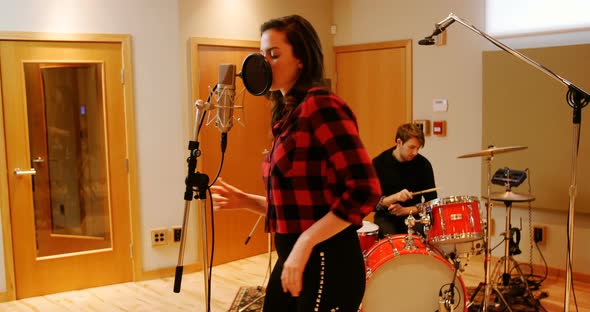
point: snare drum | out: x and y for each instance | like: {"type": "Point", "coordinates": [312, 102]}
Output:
{"type": "Point", "coordinates": [368, 235]}
{"type": "Point", "coordinates": [454, 219]}
{"type": "Point", "coordinates": [411, 279]}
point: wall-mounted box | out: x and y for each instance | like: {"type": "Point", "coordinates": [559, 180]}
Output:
{"type": "Point", "coordinates": [439, 127]}
{"type": "Point", "coordinates": [424, 125]}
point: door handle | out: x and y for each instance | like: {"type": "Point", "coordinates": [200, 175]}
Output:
{"type": "Point", "coordinates": [19, 172]}
{"type": "Point", "coordinates": [38, 160]}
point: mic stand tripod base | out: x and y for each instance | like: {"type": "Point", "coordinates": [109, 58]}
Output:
{"type": "Point", "coordinates": [506, 278]}
{"type": "Point", "coordinates": [494, 289]}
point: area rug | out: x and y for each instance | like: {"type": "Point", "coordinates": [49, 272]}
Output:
{"type": "Point", "coordinates": [252, 297]}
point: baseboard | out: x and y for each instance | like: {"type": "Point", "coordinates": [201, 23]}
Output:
{"type": "Point", "coordinates": [6, 296]}
{"type": "Point", "coordinates": [556, 273]}
{"type": "Point", "coordinates": [167, 272]}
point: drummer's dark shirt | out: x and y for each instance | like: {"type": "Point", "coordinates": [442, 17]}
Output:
{"type": "Point", "coordinates": [414, 175]}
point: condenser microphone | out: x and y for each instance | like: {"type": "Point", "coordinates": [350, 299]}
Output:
{"type": "Point", "coordinates": [226, 91]}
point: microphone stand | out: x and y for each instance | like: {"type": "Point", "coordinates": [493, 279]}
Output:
{"type": "Point", "coordinates": [576, 99]}
{"type": "Point", "coordinates": [447, 297]}
{"type": "Point", "coordinates": [198, 182]}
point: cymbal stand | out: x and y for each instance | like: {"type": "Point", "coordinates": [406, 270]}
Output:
{"type": "Point", "coordinates": [507, 254]}
{"type": "Point", "coordinates": [507, 259]}
{"type": "Point", "coordinates": [488, 245]}
{"type": "Point", "coordinates": [487, 285]}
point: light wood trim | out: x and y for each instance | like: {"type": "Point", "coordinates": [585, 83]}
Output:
{"type": "Point", "coordinates": [373, 46]}
{"type": "Point", "coordinates": [195, 42]}
{"type": "Point", "coordinates": [10, 293]}
{"type": "Point", "coordinates": [410, 79]}
{"type": "Point", "coordinates": [129, 100]}
{"type": "Point", "coordinates": [134, 204]}
{"type": "Point", "coordinates": [45, 36]}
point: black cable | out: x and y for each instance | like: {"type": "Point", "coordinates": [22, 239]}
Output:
{"type": "Point", "coordinates": [212, 246]}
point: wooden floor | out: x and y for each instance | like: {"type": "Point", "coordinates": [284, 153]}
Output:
{"type": "Point", "coordinates": [157, 295]}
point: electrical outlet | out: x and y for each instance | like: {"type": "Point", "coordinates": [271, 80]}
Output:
{"type": "Point", "coordinates": [159, 237]}
{"type": "Point", "coordinates": [176, 234]}
{"type": "Point", "coordinates": [539, 234]}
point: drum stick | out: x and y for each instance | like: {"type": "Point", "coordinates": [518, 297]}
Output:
{"type": "Point", "coordinates": [425, 191]}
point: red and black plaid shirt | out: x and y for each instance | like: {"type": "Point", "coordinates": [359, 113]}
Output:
{"type": "Point", "coordinates": [318, 164]}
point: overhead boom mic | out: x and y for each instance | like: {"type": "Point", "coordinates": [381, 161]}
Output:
{"type": "Point", "coordinates": [438, 29]}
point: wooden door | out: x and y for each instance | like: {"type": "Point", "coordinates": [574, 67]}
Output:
{"type": "Point", "coordinates": [376, 81]}
{"type": "Point", "coordinates": [64, 121]}
{"type": "Point", "coordinates": [247, 141]}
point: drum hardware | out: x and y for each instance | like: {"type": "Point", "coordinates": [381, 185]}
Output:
{"type": "Point", "coordinates": [410, 222]}
{"type": "Point", "coordinates": [487, 285]}
{"type": "Point", "coordinates": [508, 197]}
{"type": "Point", "coordinates": [511, 240]}
{"type": "Point", "coordinates": [447, 297]}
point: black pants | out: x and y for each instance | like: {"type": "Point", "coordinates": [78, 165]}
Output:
{"type": "Point", "coordinates": [333, 280]}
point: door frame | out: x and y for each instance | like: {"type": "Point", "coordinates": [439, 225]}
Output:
{"type": "Point", "coordinates": [7, 240]}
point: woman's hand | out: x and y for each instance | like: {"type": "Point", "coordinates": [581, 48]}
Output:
{"type": "Point", "coordinates": [226, 196]}
{"type": "Point", "coordinates": [292, 275]}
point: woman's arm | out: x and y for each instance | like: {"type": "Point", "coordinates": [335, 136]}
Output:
{"type": "Point", "coordinates": [226, 196]}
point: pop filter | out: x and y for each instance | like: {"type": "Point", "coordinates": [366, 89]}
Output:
{"type": "Point", "coordinates": [256, 74]}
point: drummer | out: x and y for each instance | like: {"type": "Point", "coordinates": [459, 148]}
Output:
{"type": "Point", "coordinates": [401, 171]}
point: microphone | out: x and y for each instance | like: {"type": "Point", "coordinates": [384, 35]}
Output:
{"type": "Point", "coordinates": [226, 91]}
{"type": "Point", "coordinates": [427, 41]}
{"type": "Point", "coordinates": [438, 28]}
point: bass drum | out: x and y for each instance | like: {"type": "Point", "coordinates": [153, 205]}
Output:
{"type": "Point", "coordinates": [400, 279]}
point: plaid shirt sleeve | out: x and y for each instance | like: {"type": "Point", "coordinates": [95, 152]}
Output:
{"type": "Point", "coordinates": [318, 164]}
{"type": "Point", "coordinates": [354, 180]}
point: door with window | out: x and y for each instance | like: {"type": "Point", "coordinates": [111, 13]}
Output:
{"type": "Point", "coordinates": [64, 122]}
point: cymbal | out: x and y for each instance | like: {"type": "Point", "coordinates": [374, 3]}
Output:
{"type": "Point", "coordinates": [493, 150]}
{"type": "Point", "coordinates": [511, 196]}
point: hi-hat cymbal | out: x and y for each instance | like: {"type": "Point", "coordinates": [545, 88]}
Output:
{"type": "Point", "coordinates": [510, 196]}
{"type": "Point", "coordinates": [493, 150]}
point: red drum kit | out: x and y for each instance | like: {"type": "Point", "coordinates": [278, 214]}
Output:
{"type": "Point", "coordinates": [415, 273]}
